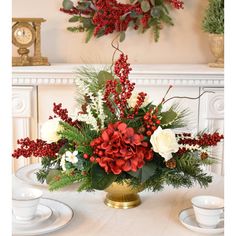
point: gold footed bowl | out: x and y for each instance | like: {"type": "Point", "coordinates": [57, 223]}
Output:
{"type": "Point", "coordinates": [217, 49]}
{"type": "Point", "coordinates": [122, 196]}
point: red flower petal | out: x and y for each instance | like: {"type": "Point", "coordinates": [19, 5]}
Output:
{"type": "Point", "coordinates": [126, 166]}
{"type": "Point", "coordinates": [122, 127]}
{"type": "Point", "coordinates": [120, 162]}
{"type": "Point", "coordinates": [105, 136]}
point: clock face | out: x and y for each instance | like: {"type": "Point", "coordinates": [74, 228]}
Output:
{"type": "Point", "coordinates": [23, 34]}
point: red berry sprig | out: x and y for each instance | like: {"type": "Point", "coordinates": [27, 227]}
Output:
{"type": "Point", "coordinates": [114, 99]}
{"type": "Point", "coordinates": [140, 99]}
{"type": "Point", "coordinates": [203, 140]}
{"type": "Point", "coordinates": [63, 114]}
{"type": "Point", "coordinates": [151, 121]}
{"type": "Point", "coordinates": [176, 4]}
{"type": "Point", "coordinates": [38, 148]}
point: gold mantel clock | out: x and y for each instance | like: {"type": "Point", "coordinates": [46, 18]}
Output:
{"type": "Point", "coordinates": [26, 33]}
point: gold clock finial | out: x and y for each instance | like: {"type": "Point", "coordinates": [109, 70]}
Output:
{"type": "Point", "coordinates": [25, 33]}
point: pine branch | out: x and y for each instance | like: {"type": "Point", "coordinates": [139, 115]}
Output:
{"type": "Point", "coordinates": [62, 181]}
{"type": "Point", "coordinates": [85, 135]}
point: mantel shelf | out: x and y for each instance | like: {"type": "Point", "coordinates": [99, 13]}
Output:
{"type": "Point", "coordinates": [147, 75]}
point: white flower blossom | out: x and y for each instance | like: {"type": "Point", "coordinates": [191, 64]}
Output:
{"type": "Point", "coordinates": [101, 114]}
{"type": "Point", "coordinates": [63, 162]}
{"type": "Point", "coordinates": [71, 156]}
{"type": "Point", "coordinates": [94, 107]}
{"type": "Point", "coordinates": [89, 118]}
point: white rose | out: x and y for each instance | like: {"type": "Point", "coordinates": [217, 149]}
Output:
{"type": "Point", "coordinates": [132, 101]}
{"type": "Point", "coordinates": [50, 129]}
{"type": "Point", "coordinates": [164, 142]}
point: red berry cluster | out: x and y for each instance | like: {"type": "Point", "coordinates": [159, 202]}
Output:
{"type": "Point", "coordinates": [113, 16]}
{"type": "Point", "coordinates": [140, 100]}
{"type": "Point", "coordinates": [176, 4]}
{"type": "Point", "coordinates": [151, 121]}
{"type": "Point", "coordinates": [111, 94]}
{"type": "Point", "coordinates": [63, 114]}
{"type": "Point", "coordinates": [38, 148]}
{"type": "Point", "coordinates": [144, 20]}
{"type": "Point", "coordinates": [203, 140]}
{"type": "Point", "coordinates": [121, 70]}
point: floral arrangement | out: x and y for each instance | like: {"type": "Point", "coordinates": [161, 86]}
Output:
{"type": "Point", "coordinates": [118, 135]}
{"type": "Point", "coordinates": [102, 17]}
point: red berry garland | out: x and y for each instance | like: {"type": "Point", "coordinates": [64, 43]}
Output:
{"type": "Point", "coordinates": [102, 17]}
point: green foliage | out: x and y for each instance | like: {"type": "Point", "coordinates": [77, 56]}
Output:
{"type": "Point", "coordinates": [47, 164]}
{"type": "Point", "coordinates": [175, 117]}
{"type": "Point", "coordinates": [51, 174]}
{"type": "Point", "coordinates": [93, 79]}
{"type": "Point", "coordinates": [145, 6]}
{"type": "Point", "coordinates": [67, 4]}
{"type": "Point", "coordinates": [100, 179]}
{"type": "Point", "coordinates": [187, 172]}
{"type": "Point", "coordinates": [213, 21]}
{"type": "Point", "coordinates": [145, 172]}
{"type": "Point", "coordinates": [62, 181]}
{"type": "Point", "coordinates": [74, 29]}
{"type": "Point", "coordinates": [81, 138]}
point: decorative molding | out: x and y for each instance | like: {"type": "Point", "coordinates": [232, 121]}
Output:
{"type": "Point", "coordinates": [216, 107]}
{"type": "Point", "coordinates": [215, 104]}
{"type": "Point", "coordinates": [143, 75]}
{"type": "Point", "coordinates": [21, 101]}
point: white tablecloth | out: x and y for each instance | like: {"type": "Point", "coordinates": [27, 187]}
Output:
{"type": "Point", "coordinates": [156, 216]}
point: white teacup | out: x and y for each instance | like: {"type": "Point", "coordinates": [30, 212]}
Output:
{"type": "Point", "coordinates": [25, 202]}
{"type": "Point", "coordinates": [208, 210]}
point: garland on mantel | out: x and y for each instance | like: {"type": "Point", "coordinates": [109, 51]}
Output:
{"type": "Point", "coordinates": [103, 17]}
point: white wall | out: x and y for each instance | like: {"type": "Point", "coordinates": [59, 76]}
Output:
{"type": "Point", "coordinates": [183, 43]}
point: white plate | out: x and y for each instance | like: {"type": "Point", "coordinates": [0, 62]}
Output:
{"type": "Point", "coordinates": [62, 215]}
{"type": "Point", "coordinates": [187, 218]}
{"type": "Point", "coordinates": [28, 174]}
{"type": "Point", "coordinates": [42, 214]}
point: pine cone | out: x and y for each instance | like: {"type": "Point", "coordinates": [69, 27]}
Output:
{"type": "Point", "coordinates": [171, 164]}
{"type": "Point", "coordinates": [204, 155]}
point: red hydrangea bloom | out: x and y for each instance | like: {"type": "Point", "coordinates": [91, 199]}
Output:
{"type": "Point", "coordinates": [119, 149]}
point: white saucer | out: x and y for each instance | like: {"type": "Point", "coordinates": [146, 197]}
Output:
{"type": "Point", "coordinates": [28, 174]}
{"type": "Point", "coordinates": [62, 215]}
{"type": "Point", "coordinates": [187, 218]}
{"type": "Point", "coordinates": [42, 214]}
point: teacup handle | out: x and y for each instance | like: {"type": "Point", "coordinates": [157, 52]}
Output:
{"type": "Point", "coordinates": [222, 217]}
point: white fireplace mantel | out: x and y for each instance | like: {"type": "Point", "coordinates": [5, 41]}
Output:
{"type": "Point", "coordinates": [147, 75]}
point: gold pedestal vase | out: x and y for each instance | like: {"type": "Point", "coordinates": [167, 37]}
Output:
{"type": "Point", "coordinates": [122, 196]}
{"type": "Point", "coordinates": [217, 48]}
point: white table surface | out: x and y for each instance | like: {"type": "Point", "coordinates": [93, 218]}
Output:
{"type": "Point", "coordinates": [156, 216]}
